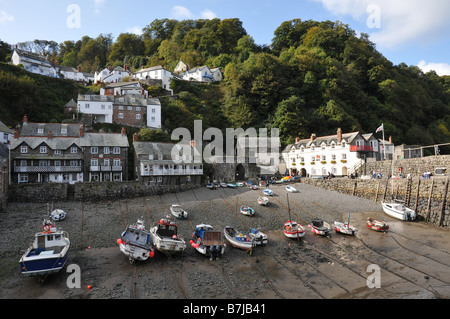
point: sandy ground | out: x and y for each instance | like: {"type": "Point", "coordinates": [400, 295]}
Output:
{"type": "Point", "coordinates": [413, 258]}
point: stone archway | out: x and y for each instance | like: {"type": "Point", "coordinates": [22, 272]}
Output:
{"type": "Point", "coordinates": [303, 172]}
{"type": "Point", "coordinates": [239, 173]}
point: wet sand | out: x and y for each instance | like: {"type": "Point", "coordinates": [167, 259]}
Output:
{"type": "Point", "coordinates": [413, 257]}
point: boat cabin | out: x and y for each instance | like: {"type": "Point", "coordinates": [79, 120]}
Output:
{"type": "Point", "coordinates": [47, 243]}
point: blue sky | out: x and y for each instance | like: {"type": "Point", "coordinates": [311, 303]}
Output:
{"type": "Point", "coordinates": [415, 32]}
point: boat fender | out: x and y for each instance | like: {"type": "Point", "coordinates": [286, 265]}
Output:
{"type": "Point", "coordinates": [119, 241]}
{"type": "Point", "coordinates": [151, 254]}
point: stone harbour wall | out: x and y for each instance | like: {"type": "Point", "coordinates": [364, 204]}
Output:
{"type": "Point", "coordinates": [426, 196]}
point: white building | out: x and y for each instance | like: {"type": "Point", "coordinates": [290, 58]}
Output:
{"type": "Point", "coordinates": [123, 88]}
{"type": "Point", "coordinates": [5, 134]}
{"type": "Point", "coordinates": [340, 154]}
{"type": "Point", "coordinates": [100, 106]}
{"type": "Point", "coordinates": [34, 63]}
{"type": "Point", "coordinates": [110, 74]}
{"type": "Point", "coordinates": [76, 74]}
{"type": "Point", "coordinates": [203, 74]}
{"type": "Point", "coordinates": [156, 73]}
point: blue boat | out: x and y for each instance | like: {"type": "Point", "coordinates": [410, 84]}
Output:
{"type": "Point", "coordinates": [208, 242]}
{"type": "Point", "coordinates": [268, 192]}
{"type": "Point", "coordinates": [47, 254]}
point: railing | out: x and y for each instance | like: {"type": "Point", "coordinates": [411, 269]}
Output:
{"type": "Point", "coordinates": [357, 148]}
{"type": "Point", "coordinates": [46, 169]}
{"type": "Point", "coordinates": [166, 172]}
{"type": "Point", "coordinates": [114, 168]}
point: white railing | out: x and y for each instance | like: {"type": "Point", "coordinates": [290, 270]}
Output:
{"type": "Point", "coordinates": [46, 169]}
{"type": "Point", "coordinates": [166, 172]}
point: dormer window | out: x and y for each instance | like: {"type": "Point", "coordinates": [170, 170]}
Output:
{"type": "Point", "coordinates": [343, 143]}
{"type": "Point", "coordinates": [333, 145]}
{"type": "Point", "coordinates": [313, 148]}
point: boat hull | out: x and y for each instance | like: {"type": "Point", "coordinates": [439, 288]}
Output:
{"type": "Point", "coordinates": [377, 225]}
{"type": "Point", "coordinates": [244, 245]}
{"type": "Point", "coordinates": [135, 252]}
{"type": "Point", "coordinates": [167, 245]}
{"type": "Point", "coordinates": [38, 266]}
{"type": "Point", "coordinates": [294, 230]}
{"type": "Point", "coordinates": [398, 211]}
{"type": "Point", "coordinates": [344, 229]}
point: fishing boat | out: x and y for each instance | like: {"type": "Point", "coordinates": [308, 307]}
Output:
{"type": "Point", "coordinates": [135, 242]}
{"type": "Point", "coordinates": [178, 211]}
{"type": "Point", "coordinates": [210, 186]}
{"type": "Point", "coordinates": [240, 184]}
{"type": "Point", "coordinates": [238, 239]}
{"type": "Point", "coordinates": [291, 189]}
{"type": "Point", "coordinates": [254, 187]}
{"type": "Point", "coordinates": [398, 210]}
{"type": "Point", "coordinates": [292, 229]}
{"type": "Point", "coordinates": [48, 253]}
{"type": "Point", "coordinates": [320, 227]}
{"type": "Point", "coordinates": [267, 192]}
{"type": "Point", "coordinates": [208, 242]}
{"type": "Point", "coordinates": [247, 210]}
{"type": "Point", "coordinates": [262, 200]}
{"type": "Point", "coordinates": [231, 185]}
{"type": "Point", "coordinates": [376, 225]}
{"type": "Point", "coordinates": [258, 236]}
{"type": "Point", "coordinates": [165, 237]}
{"type": "Point", "coordinates": [345, 228]}
{"type": "Point", "coordinates": [223, 184]}
{"type": "Point", "coordinates": [57, 214]}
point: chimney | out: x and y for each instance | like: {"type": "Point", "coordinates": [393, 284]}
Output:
{"type": "Point", "coordinates": [339, 135]}
{"type": "Point", "coordinates": [81, 130]}
{"type": "Point", "coordinates": [25, 119]}
{"type": "Point", "coordinates": [313, 137]}
{"type": "Point", "coordinates": [297, 139]}
{"type": "Point", "coordinates": [125, 67]}
{"type": "Point", "coordinates": [135, 137]}
{"type": "Point", "coordinates": [124, 132]}
{"type": "Point", "coordinates": [49, 135]}
{"type": "Point", "coordinates": [102, 85]}
{"type": "Point", "coordinates": [16, 134]}
{"type": "Point", "coordinates": [79, 68]}
{"type": "Point", "coordinates": [390, 139]}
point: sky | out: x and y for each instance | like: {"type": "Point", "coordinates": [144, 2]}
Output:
{"type": "Point", "coordinates": [415, 32]}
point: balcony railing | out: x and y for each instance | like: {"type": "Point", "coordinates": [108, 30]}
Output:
{"type": "Point", "coordinates": [114, 168]}
{"type": "Point", "coordinates": [357, 148]}
{"type": "Point", "coordinates": [46, 169]}
{"type": "Point", "coordinates": [174, 172]}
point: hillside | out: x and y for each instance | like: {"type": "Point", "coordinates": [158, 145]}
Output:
{"type": "Point", "coordinates": [314, 77]}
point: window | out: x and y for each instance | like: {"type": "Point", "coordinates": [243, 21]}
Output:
{"type": "Point", "coordinates": [106, 150]}
{"type": "Point", "coordinates": [43, 149]}
{"type": "Point", "coordinates": [333, 145]}
{"type": "Point", "coordinates": [120, 116]}
{"type": "Point", "coordinates": [23, 163]}
{"type": "Point", "coordinates": [57, 163]}
{"type": "Point", "coordinates": [130, 108]}
{"type": "Point", "coordinates": [159, 179]}
{"type": "Point", "coordinates": [138, 116]}
{"type": "Point", "coordinates": [73, 163]}
{"type": "Point", "coordinates": [23, 178]}
{"type": "Point", "coordinates": [24, 149]}
{"type": "Point", "coordinates": [64, 130]}
{"type": "Point", "coordinates": [153, 119]}
{"type": "Point", "coordinates": [117, 177]}
{"type": "Point", "coordinates": [344, 156]}
{"type": "Point", "coordinates": [73, 150]}
{"type": "Point", "coordinates": [94, 162]}
{"type": "Point", "coordinates": [40, 130]}
{"type": "Point", "coordinates": [333, 157]}
{"type": "Point", "coordinates": [150, 157]}
{"type": "Point", "coordinates": [343, 143]}
{"type": "Point", "coordinates": [86, 105]}
{"type": "Point", "coordinates": [106, 162]}
{"type": "Point", "coordinates": [102, 106]}
{"type": "Point", "coordinates": [120, 107]}
{"type": "Point", "coordinates": [43, 163]}
{"type": "Point", "coordinates": [153, 111]}
{"type": "Point", "coordinates": [94, 150]}
{"type": "Point", "coordinates": [138, 108]}
{"type": "Point", "coordinates": [116, 150]}
{"type": "Point", "coordinates": [313, 148]}
{"type": "Point", "coordinates": [116, 162]}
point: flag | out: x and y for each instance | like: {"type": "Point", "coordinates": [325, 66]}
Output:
{"type": "Point", "coordinates": [381, 128]}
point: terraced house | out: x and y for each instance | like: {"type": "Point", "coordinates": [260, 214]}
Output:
{"type": "Point", "coordinates": [64, 153]}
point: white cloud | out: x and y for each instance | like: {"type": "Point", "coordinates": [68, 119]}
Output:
{"type": "Point", "coordinates": [5, 18]}
{"type": "Point", "coordinates": [136, 30]}
{"type": "Point", "coordinates": [440, 68]}
{"type": "Point", "coordinates": [208, 14]}
{"type": "Point", "coordinates": [98, 4]}
{"type": "Point", "coordinates": [402, 21]}
{"type": "Point", "coordinates": [180, 12]}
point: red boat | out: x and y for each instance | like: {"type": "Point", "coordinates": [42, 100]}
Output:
{"type": "Point", "coordinates": [377, 225]}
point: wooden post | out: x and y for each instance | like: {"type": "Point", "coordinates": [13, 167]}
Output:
{"type": "Point", "coordinates": [429, 201]}
{"type": "Point", "coordinates": [354, 189]}
{"type": "Point", "coordinates": [385, 190]}
{"type": "Point", "coordinates": [417, 195]}
{"type": "Point", "coordinates": [396, 191]}
{"type": "Point", "coordinates": [442, 213]}
{"type": "Point", "coordinates": [378, 188]}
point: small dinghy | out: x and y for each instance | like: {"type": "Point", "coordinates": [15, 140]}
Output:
{"type": "Point", "coordinates": [264, 201]}
{"type": "Point", "coordinates": [345, 228]}
{"type": "Point", "coordinates": [223, 184]}
{"type": "Point", "coordinates": [399, 211]}
{"type": "Point", "coordinates": [267, 192]}
{"type": "Point", "coordinates": [247, 210]}
{"type": "Point", "coordinates": [135, 242]}
{"type": "Point", "coordinates": [210, 186]}
{"type": "Point", "coordinates": [292, 229]}
{"type": "Point", "coordinates": [291, 189]}
{"type": "Point", "coordinates": [238, 239]}
{"type": "Point", "coordinates": [208, 242]}
{"type": "Point", "coordinates": [376, 225]}
{"type": "Point", "coordinates": [165, 237]}
{"type": "Point", "coordinates": [231, 185]}
{"type": "Point", "coordinates": [58, 215]}
{"type": "Point", "coordinates": [320, 227]}
{"type": "Point", "coordinates": [254, 187]}
{"type": "Point", "coordinates": [178, 211]}
{"type": "Point", "coordinates": [258, 237]}
{"type": "Point", "coordinates": [48, 253]}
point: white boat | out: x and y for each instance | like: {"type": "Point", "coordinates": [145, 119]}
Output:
{"type": "Point", "coordinates": [263, 201]}
{"type": "Point", "coordinates": [238, 239]}
{"type": "Point", "coordinates": [267, 192]}
{"type": "Point", "coordinates": [178, 211]}
{"type": "Point", "coordinates": [231, 185]}
{"type": "Point", "coordinates": [320, 227]}
{"type": "Point", "coordinates": [135, 242]}
{"type": "Point", "coordinates": [399, 211]}
{"type": "Point", "coordinates": [208, 242]}
{"type": "Point", "coordinates": [247, 210]}
{"type": "Point", "coordinates": [165, 237]}
{"type": "Point", "coordinates": [345, 228]}
{"type": "Point", "coordinates": [223, 184]}
{"type": "Point", "coordinates": [291, 189]}
{"type": "Point", "coordinates": [258, 236]}
{"type": "Point", "coordinates": [48, 253]}
{"type": "Point", "coordinates": [58, 214]}
{"type": "Point", "coordinates": [292, 229]}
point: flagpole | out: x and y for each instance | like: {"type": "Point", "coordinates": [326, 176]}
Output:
{"type": "Point", "coordinates": [384, 146]}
